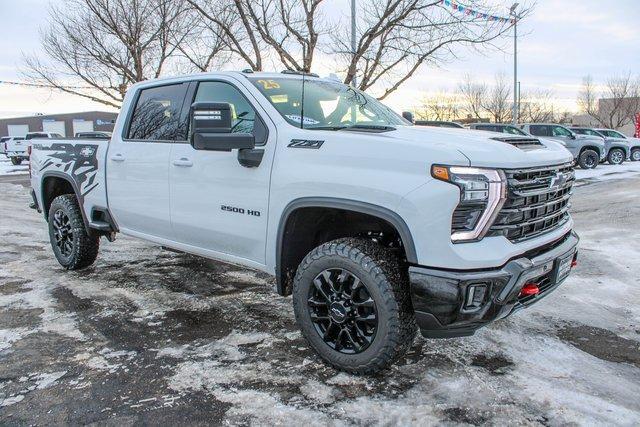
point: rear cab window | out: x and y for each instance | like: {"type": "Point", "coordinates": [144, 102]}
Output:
{"type": "Point", "coordinates": [159, 114]}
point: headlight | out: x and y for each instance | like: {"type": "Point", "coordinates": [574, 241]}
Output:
{"type": "Point", "coordinates": [482, 194]}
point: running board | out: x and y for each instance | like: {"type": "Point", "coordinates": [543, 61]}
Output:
{"type": "Point", "coordinates": [100, 226]}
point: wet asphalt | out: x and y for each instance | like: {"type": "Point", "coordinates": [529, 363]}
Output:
{"type": "Point", "coordinates": [151, 336]}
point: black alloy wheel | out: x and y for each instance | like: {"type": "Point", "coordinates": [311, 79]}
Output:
{"type": "Point", "coordinates": [74, 246]}
{"type": "Point", "coordinates": [342, 311]}
{"type": "Point", "coordinates": [63, 233]}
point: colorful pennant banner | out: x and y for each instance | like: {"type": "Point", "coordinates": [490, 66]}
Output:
{"type": "Point", "coordinates": [475, 13]}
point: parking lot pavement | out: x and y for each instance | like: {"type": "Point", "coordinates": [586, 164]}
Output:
{"type": "Point", "coordinates": [152, 336]}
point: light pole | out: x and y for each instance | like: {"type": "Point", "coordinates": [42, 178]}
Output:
{"type": "Point", "coordinates": [516, 107]}
{"type": "Point", "coordinates": [353, 36]}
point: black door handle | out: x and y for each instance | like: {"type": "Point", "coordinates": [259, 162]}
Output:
{"type": "Point", "coordinates": [250, 157]}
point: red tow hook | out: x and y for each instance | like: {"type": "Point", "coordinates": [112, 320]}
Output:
{"type": "Point", "coordinates": [529, 289]}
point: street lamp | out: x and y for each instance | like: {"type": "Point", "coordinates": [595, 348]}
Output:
{"type": "Point", "coordinates": [516, 17]}
{"type": "Point", "coordinates": [353, 35]}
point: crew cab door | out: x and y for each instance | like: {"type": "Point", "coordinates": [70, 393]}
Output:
{"type": "Point", "coordinates": [219, 206]}
{"type": "Point", "coordinates": [138, 161]}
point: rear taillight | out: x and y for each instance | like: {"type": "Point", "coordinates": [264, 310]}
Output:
{"type": "Point", "coordinates": [29, 153]}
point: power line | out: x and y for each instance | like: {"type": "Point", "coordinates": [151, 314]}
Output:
{"type": "Point", "coordinates": [43, 85]}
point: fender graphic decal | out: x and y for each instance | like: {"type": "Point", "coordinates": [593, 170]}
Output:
{"type": "Point", "coordinates": [80, 161]}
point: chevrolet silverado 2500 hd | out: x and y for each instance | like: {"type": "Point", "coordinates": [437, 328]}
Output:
{"type": "Point", "coordinates": [376, 227]}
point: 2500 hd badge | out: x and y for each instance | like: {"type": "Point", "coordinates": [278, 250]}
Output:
{"type": "Point", "coordinates": [239, 210]}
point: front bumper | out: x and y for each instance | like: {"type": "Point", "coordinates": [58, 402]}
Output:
{"type": "Point", "coordinates": [450, 303]}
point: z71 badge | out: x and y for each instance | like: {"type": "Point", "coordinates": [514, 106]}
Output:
{"type": "Point", "coordinates": [305, 143]}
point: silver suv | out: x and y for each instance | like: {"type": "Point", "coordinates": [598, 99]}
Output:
{"type": "Point", "coordinates": [617, 151]}
{"type": "Point", "coordinates": [634, 143]}
{"type": "Point", "coordinates": [588, 151]}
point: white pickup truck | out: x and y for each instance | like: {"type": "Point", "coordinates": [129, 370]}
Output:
{"type": "Point", "coordinates": [375, 226]}
{"type": "Point", "coordinates": [17, 148]}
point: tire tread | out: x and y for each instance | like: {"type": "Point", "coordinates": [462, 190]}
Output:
{"type": "Point", "coordinates": [385, 272]}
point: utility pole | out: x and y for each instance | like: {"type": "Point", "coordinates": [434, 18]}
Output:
{"type": "Point", "coordinates": [516, 106]}
{"type": "Point", "coordinates": [353, 37]}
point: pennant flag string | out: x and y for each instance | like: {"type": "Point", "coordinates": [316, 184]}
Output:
{"type": "Point", "coordinates": [5, 82]}
{"type": "Point", "coordinates": [475, 13]}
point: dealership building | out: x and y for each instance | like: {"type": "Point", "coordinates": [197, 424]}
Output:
{"type": "Point", "coordinates": [66, 125]}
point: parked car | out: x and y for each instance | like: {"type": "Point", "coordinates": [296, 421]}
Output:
{"type": "Point", "coordinates": [498, 127]}
{"type": "Point", "coordinates": [376, 227]}
{"type": "Point", "coordinates": [18, 147]}
{"type": "Point", "coordinates": [588, 151]}
{"type": "Point", "coordinates": [94, 134]}
{"type": "Point", "coordinates": [634, 143]}
{"type": "Point", "coordinates": [3, 145]}
{"type": "Point", "coordinates": [617, 151]}
{"type": "Point", "coordinates": [439, 124]}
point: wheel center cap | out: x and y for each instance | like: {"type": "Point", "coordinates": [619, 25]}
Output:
{"type": "Point", "coordinates": [337, 312]}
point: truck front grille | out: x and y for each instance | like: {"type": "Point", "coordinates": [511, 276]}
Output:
{"type": "Point", "coordinates": [537, 202]}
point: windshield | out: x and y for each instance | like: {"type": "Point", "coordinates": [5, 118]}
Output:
{"type": "Point", "coordinates": [514, 131]}
{"type": "Point", "coordinates": [561, 131]}
{"type": "Point", "coordinates": [327, 105]}
{"type": "Point", "coordinates": [590, 132]}
{"type": "Point", "coordinates": [613, 134]}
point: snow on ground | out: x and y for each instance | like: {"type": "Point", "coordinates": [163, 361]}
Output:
{"type": "Point", "coordinates": [148, 336]}
{"type": "Point", "coordinates": [7, 168]}
{"type": "Point", "coordinates": [606, 171]}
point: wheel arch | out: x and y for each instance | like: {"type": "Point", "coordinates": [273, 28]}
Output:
{"type": "Point", "coordinates": [591, 147]}
{"type": "Point", "coordinates": [54, 184]}
{"type": "Point", "coordinates": [350, 206]}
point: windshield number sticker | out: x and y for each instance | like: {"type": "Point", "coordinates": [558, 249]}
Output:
{"type": "Point", "coordinates": [269, 84]}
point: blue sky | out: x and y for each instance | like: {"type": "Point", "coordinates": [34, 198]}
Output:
{"type": "Point", "coordinates": [564, 40]}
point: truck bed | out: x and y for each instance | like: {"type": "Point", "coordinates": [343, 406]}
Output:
{"type": "Point", "coordinates": [80, 162]}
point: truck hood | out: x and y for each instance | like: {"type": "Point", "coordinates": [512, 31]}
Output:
{"type": "Point", "coordinates": [485, 149]}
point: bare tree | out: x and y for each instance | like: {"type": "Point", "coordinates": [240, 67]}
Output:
{"type": "Point", "coordinates": [496, 103]}
{"type": "Point", "coordinates": [440, 106]}
{"type": "Point", "coordinates": [97, 48]}
{"type": "Point", "coordinates": [615, 105]}
{"type": "Point", "coordinates": [289, 27]}
{"type": "Point", "coordinates": [229, 22]}
{"type": "Point", "coordinates": [251, 29]}
{"type": "Point", "coordinates": [204, 47]}
{"type": "Point", "coordinates": [537, 106]}
{"type": "Point", "coordinates": [396, 37]}
{"type": "Point", "coordinates": [473, 95]}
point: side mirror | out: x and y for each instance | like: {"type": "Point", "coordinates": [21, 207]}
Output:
{"type": "Point", "coordinates": [573, 136]}
{"type": "Point", "coordinates": [211, 128]}
{"type": "Point", "coordinates": [408, 115]}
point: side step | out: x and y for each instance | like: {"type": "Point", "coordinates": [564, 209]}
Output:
{"type": "Point", "coordinates": [100, 225]}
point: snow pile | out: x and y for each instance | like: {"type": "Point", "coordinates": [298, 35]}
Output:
{"type": "Point", "coordinates": [604, 172]}
{"type": "Point", "coordinates": [7, 168]}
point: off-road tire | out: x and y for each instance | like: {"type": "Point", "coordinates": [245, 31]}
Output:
{"type": "Point", "coordinates": [380, 271]}
{"type": "Point", "coordinates": [616, 156]}
{"type": "Point", "coordinates": [588, 159]}
{"type": "Point", "coordinates": [16, 161]}
{"type": "Point", "coordinates": [84, 245]}
{"type": "Point", "coordinates": [635, 155]}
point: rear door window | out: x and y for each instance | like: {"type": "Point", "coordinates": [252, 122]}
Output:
{"type": "Point", "coordinates": [158, 114]}
{"type": "Point", "coordinates": [540, 130]}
